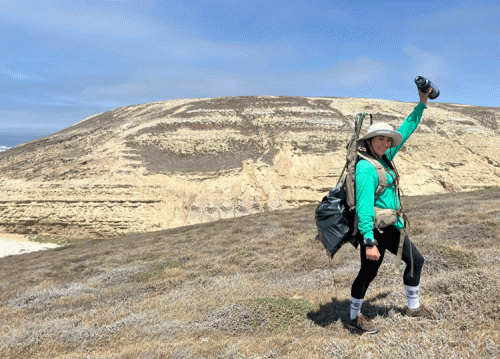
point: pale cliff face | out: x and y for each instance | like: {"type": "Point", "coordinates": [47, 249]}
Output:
{"type": "Point", "coordinates": [173, 163]}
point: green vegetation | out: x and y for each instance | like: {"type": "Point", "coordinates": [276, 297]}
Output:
{"type": "Point", "coordinates": [281, 312]}
{"type": "Point", "coordinates": [456, 257]}
{"type": "Point", "coordinates": [59, 240]}
{"type": "Point", "coordinates": [157, 271]}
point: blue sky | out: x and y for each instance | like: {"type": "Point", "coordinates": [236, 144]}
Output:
{"type": "Point", "coordinates": [63, 61]}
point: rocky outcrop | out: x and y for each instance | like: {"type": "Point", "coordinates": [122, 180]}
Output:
{"type": "Point", "coordinates": [174, 163]}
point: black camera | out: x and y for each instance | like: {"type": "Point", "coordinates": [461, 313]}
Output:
{"type": "Point", "coordinates": [424, 84]}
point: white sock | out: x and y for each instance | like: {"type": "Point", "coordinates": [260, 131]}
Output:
{"type": "Point", "coordinates": [355, 307]}
{"type": "Point", "coordinates": [412, 296]}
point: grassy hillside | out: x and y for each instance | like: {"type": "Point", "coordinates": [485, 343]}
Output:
{"type": "Point", "coordinates": [256, 287]}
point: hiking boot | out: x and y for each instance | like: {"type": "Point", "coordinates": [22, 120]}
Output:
{"type": "Point", "coordinates": [363, 324]}
{"type": "Point", "coordinates": [421, 312]}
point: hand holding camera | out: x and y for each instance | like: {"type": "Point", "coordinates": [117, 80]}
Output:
{"type": "Point", "coordinates": [426, 89]}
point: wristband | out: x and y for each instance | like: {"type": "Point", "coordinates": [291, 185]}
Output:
{"type": "Point", "coordinates": [369, 242]}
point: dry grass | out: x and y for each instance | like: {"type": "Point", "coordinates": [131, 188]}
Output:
{"type": "Point", "coordinates": [256, 287]}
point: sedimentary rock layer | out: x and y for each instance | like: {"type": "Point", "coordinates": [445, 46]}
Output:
{"type": "Point", "coordinates": [174, 163]}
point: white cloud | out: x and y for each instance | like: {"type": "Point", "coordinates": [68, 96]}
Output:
{"type": "Point", "coordinates": [427, 63]}
{"type": "Point", "coordinates": [145, 37]}
{"type": "Point", "coordinates": [50, 15]}
{"type": "Point", "coordinates": [358, 72]}
{"type": "Point", "coordinates": [468, 18]}
{"type": "Point", "coordinates": [59, 101]}
{"type": "Point", "coordinates": [468, 32]}
{"type": "Point", "coordinates": [20, 76]}
{"type": "Point", "coordinates": [199, 82]}
{"type": "Point", "coordinates": [344, 75]}
{"type": "Point", "coordinates": [19, 119]}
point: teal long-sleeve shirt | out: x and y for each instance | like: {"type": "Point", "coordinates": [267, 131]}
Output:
{"type": "Point", "coordinates": [366, 180]}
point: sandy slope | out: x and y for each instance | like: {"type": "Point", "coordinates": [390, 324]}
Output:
{"type": "Point", "coordinates": [16, 244]}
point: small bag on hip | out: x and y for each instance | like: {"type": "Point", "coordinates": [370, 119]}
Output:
{"type": "Point", "coordinates": [385, 217]}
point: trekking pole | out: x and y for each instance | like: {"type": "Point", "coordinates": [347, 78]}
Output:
{"type": "Point", "coordinates": [358, 123]}
{"type": "Point", "coordinates": [352, 146]}
{"type": "Point", "coordinates": [357, 128]}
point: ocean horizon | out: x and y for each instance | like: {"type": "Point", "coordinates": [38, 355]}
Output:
{"type": "Point", "coordinates": [10, 138]}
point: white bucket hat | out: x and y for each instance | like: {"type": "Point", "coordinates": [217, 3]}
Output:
{"type": "Point", "coordinates": [383, 129]}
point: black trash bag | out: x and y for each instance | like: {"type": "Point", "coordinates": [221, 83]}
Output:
{"type": "Point", "coordinates": [334, 221]}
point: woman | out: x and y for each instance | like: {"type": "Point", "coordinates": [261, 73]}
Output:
{"type": "Point", "coordinates": [383, 143]}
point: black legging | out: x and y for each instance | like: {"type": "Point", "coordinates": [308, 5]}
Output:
{"type": "Point", "coordinates": [389, 240]}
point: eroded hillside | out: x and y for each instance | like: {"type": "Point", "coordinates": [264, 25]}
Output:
{"type": "Point", "coordinates": [173, 163]}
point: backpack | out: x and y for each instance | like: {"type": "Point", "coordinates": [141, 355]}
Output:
{"type": "Point", "coordinates": [335, 216]}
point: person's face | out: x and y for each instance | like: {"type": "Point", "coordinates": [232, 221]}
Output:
{"type": "Point", "coordinates": [381, 144]}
